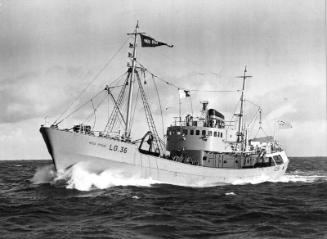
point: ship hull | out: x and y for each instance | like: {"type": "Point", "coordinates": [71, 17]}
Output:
{"type": "Point", "coordinates": [99, 154]}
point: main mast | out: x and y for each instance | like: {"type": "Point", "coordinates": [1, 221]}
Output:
{"type": "Point", "coordinates": [130, 82]}
{"type": "Point", "coordinates": [240, 135]}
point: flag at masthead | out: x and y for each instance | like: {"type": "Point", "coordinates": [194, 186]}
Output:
{"type": "Point", "coordinates": [147, 41]}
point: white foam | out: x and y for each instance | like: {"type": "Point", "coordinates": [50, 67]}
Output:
{"type": "Point", "coordinates": [81, 179]}
{"type": "Point", "coordinates": [255, 180]}
{"type": "Point", "coordinates": [230, 194]}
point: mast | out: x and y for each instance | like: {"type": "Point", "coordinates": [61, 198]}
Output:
{"type": "Point", "coordinates": [240, 138]}
{"type": "Point", "coordinates": [260, 118]}
{"type": "Point", "coordinates": [130, 82]}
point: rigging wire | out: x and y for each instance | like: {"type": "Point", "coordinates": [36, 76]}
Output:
{"type": "Point", "coordinates": [251, 123]}
{"type": "Point", "coordinates": [95, 116]}
{"type": "Point", "coordinates": [149, 116]}
{"type": "Point", "coordinates": [136, 101]}
{"type": "Point", "coordinates": [117, 79]}
{"type": "Point", "coordinates": [262, 131]}
{"type": "Point", "coordinates": [92, 81]}
{"type": "Point", "coordinates": [117, 105]}
{"type": "Point", "coordinates": [233, 116]}
{"type": "Point", "coordinates": [108, 106]}
{"type": "Point", "coordinates": [259, 107]}
{"type": "Point", "coordinates": [216, 91]}
{"type": "Point", "coordinates": [260, 127]}
{"type": "Point", "coordinates": [95, 109]}
{"type": "Point", "coordinates": [162, 121]}
{"type": "Point", "coordinates": [183, 88]}
{"type": "Point", "coordinates": [173, 59]}
{"type": "Point", "coordinates": [81, 106]}
{"type": "Point", "coordinates": [121, 107]}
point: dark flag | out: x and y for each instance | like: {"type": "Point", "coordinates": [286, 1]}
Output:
{"type": "Point", "coordinates": [187, 93]}
{"type": "Point", "coordinates": [147, 41]}
{"type": "Point", "coordinates": [183, 93]}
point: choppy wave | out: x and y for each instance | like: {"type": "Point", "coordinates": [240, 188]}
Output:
{"type": "Point", "coordinates": [80, 178]}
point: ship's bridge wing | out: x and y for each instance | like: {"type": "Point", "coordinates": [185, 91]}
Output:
{"type": "Point", "coordinates": [212, 113]}
{"type": "Point", "coordinates": [215, 119]}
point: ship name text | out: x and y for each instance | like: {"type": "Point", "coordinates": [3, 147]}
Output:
{"type": "Point", "coordinates": [111, 147]}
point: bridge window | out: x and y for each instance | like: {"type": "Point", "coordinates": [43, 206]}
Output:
{"type": "Point", "coordinates": [215, 134]}
{"type": "Point", "coordinates": [209, 133]}
{"type": "Point", "coordinates": [185, 131]}
{"type": "Point", "coordinates": [203, 133]}
{"type": "Point", "coordinates": [191, 132]}
{"type": "Point", "coordinates": [221, 134]}
{"type": "Point", "coordinates": [197, 132]}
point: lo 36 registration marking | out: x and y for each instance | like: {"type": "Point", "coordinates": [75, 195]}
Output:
{"type": "Point", "coordinates": [111, 147]}
{"type": "Point", "coordinates": [120, 149]}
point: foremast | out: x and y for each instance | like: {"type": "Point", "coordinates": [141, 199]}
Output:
{"type": "Point", "coordinates": [133, 77]}
{"type": "Point", "coordinates": [130, 83]}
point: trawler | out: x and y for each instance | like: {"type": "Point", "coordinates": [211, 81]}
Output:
{"type": "Point", "coordinates": [196, 150]}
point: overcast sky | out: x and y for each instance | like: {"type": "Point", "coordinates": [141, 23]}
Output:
{"type": "Point", "coordinates": [50, 50]}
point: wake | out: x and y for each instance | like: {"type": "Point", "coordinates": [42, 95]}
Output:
{"type": "Point", "coordinates": [290, 177]}
{"type": "Point", "coordinates": [304, 176]}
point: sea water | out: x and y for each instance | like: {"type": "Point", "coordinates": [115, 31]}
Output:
{"type": "Point", "coordinates": [38, 202]}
